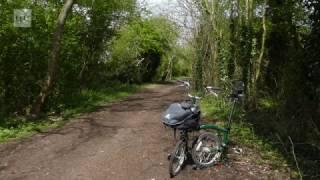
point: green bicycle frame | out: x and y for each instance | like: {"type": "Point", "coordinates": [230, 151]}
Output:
{"type": "Point", "coordinates": [221, 131]}
{"type": "Point", "coordinates": [224, 132]}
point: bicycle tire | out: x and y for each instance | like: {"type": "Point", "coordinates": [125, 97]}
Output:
{"type": "Point", "coordinates": [213, 151]}
{"type": "Point", "coordinates": [179, 153]}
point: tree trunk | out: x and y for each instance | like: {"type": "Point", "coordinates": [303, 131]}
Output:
{"type": "Point", "coordinates": [53, 60]}
{"type": "Point", "coordinates": [263, 42]}
{"type": "Point", "coordinates": [258, 64]}
{"type": "Point", "coordinates": [170, 68]}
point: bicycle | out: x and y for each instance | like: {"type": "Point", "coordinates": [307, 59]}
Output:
{"type": "Point", "coordinates": [185, 117]}
{"type": "Point", "coordinates": [209, 147]}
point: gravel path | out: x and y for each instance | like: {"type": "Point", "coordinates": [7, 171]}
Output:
{"type": "Point", "coordinates": [124, 140]}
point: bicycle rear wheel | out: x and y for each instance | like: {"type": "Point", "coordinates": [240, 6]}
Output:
{"type": "Point", "coordinates": [207, 150]}
{"type": "Point", "coordinates": [177, 158]}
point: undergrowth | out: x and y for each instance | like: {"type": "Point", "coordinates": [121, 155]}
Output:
{"type": "Point", "coordinates": [216, 110]}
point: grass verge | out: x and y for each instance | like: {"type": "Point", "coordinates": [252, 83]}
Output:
{"type": "Point", "coordinates": [85, 101]}
{"type": "Point", "coordinates": [216, 111]}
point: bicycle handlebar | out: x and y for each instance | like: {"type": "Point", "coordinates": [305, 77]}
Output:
{"type": "Point", "coordinates": [237, 90]}
{"type": "Point", "coordinates": [213, 90]}
{"type": "Point", "coordinates": [194, 97]}
{"type": "Point", "coordinates": [184, 84]}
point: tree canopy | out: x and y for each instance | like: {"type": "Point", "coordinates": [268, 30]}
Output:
{"type": "Point", "coordinates": [101, 42]}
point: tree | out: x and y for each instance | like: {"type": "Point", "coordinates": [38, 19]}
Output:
{"type": "Point", "coordinates": [138, 51]}
{"type": "Point", "coordinates": [53, 60]}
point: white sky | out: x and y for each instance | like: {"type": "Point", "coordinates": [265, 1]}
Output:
{"type": "Point", "coordinates": [160, 6]}
{"type": "Point", "coordinates": [169, 9]}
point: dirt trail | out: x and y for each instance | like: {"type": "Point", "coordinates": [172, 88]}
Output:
{"type": "Point", "coordinates": [124, 140]}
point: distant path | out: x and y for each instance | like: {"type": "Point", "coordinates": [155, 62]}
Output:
{"type": "Point", "coordinates": [124, 140]}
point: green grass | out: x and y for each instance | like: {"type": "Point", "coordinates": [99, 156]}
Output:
{"type": "Point", "coordinates": [24, 128]}
{"type": "Point", "coordinates": [89, 100]}
{"type": "Point", "coordinates": [268, 103]}
{"type": "Point", "coordinates": [242, 132]}
{"type": "Point", "coordinates": [85, 101]}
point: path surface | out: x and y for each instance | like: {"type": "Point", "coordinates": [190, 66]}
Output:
{"type": "Point", "coordinates": [124, 140]}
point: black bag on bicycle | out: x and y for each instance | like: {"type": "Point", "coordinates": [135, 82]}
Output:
{"type": "Point", "coordinates": [181, 116]}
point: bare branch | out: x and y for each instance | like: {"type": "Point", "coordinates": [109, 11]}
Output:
{"type": "Point", "coordinates": [294, 156]}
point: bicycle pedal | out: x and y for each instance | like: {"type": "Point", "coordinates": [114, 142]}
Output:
{"type": "Point", "coordinates": [169, 156]}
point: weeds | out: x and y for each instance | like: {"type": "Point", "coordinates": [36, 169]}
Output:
{"type": "Point", "coordinates": [216, 110]}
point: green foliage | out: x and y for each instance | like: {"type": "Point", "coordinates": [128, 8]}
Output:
{"type": "Point", "coordinates": [268, 103]}
{"type": "Point", "coordinates": [273, 47]}
{"type": "Point", "coordinates": [243, 133]}
{"type": "Point", "coordinates": [23, 128]}
{"type": "Point", "coordinates": [216, 110]}
{"type": "Point", "coordinates": [176, 63]}
{"type": "Point", "coordinates": [101, 43]}
{"type": "Point", "coordinates": [24, 51]}
{"type": "Point", "coordinates": [22, 54]}
{"type": "Point", "coordinates": [138, 49]}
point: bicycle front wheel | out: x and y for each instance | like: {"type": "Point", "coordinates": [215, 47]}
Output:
{"type": "Point", "coordinates": [177, 158]}
{"type": "Point", "coordinates": [207, 150]}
